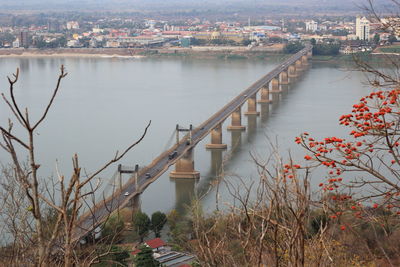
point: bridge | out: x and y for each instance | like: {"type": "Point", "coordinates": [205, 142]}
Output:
{"type": "Point", "coordinates": [181, 154]}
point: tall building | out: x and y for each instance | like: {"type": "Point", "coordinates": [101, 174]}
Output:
{"type": "Point", "coordinates": [311, 26]}
{"type": "Point", "coordinates": [362, 28]}
{"type": "Point", "coordinates": [24, 40]}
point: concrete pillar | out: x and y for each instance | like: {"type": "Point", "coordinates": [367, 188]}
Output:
{"type": "Point", "coordinates": [252, 106]}
{"type": "Point", "coordinates": [216, 139]}
{"type": "Point", "coordinates": [184, 167]}
{"type": "Point", "coordinates": [284, 77]}
{"type": "Point", "coordinates": [309, 54]}
{"type": "Point", "coordinates": [135, 203]}
{"type": "Point", "coordinates": [237, 121]}
{"type": "Point", "coordinates": [304, 60]}
{"type": "Point", "coordinates": [184, 194]}
{"type": "Point", "coordinates": [275, 86]}
{"type": "Point", "coordinates": [264, 94]}
{"type": "Point", "coordinates": [292, 72]}
{"type": "Point", "coordinates": [299, 66]}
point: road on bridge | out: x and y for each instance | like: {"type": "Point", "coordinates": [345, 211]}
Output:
{"type": "Point", "coordinates": [122, 196]}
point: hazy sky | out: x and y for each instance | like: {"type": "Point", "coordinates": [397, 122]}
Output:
{"type": "Point", "coordinates": [184, 4]}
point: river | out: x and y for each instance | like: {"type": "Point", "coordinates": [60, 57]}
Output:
{"type": "Point", "coordinates": [105, 103]}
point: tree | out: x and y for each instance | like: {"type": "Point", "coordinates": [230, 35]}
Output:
{"type": "Point", "coordinates": [373, 148]}
{"type": "Point", "coordinates": [392, 38]}
{"type": "Point", "coordinates": [313, 41]}
{"type": "Point", "coordinates": [377, 38]}
{"type": "Point", "coordinates": [245, 42]}
{"type": "Point", "coordinates": [115, 255]}
{"type": "Point", "coordinates": [144, 258]}
{"type": "Point", "coordinates": [46, 246]}
{"type": "Point", "coordinates": [158, 220]}
{"type": "Point", "coordinates": [326, 49]}
{"type": "Point", "coordinates": [293, 47]}
{"type": "Point", "coordinates": [142, 224]}
{"type": "Point", "coordinates": [111, 230]}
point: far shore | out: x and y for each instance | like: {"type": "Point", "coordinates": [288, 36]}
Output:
{"type": "Point", "coordinates": [68, 52]}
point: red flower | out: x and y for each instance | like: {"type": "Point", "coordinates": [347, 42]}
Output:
{"type": "Point", "coordinates": [307, 157]}
{"type": "Point", "coordinates": [342, 227]}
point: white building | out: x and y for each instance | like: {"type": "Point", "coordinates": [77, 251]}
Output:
{"type": "Point", "coordinates": [15, 44]}
{"type": "Point", "coordinates": [362, 28]}
{"type": "Point", "coordinates": [311, 26]}
{"type": "Point", "coordinates": [72, 25]}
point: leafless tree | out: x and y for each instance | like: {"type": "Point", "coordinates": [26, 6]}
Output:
{"type": "Point", "coordinates": [387, 74]}
{"type": "Point", "coordinates": [268, 225]}
{"type": "Point", "coordinates": [28, 193]}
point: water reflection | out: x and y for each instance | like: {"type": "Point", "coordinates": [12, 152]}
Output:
{"type": "Point", "coordinates": [236, 141]}
{"type": "Point", "coordinates": [24, 64]}
{"type": "Point", "coordinates": [184, 193]}
{"type": "Point", "coordinates": [264, 112]}
{"type": "Point", "coordinates": [285, 90]}
{"type": "Point", "coordinates": [251, 127]}
{"type": "Point", "coordinates": [216, 162]}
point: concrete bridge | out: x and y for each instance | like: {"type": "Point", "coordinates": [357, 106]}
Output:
{"type": "Point", "coordinates": [181, 154]}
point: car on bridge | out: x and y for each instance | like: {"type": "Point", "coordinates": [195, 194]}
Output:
{"type": "Point", "coordinates": [173, 154]}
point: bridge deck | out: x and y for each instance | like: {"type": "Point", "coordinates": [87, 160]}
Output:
{"type": "Point", "coordinates": [99, 213]}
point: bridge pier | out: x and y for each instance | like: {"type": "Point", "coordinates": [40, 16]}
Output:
{"type": "Point", "coordinates": [304, 60]}
{"type": "Point", "coordinates": [299, 65]}
{"type": "Point", "coordinates": [135, 203]}
{"type": "Point", "coordinates": [284, 77]}
{"type": "Point", "coordinates": [216, 139]}
{"type": "Point", "coordinates": [184, 194]}
{"type": "Point", "coordinates": [275, 86]}
{"type": "Point", "coordinates": [236, 121]}
{"type": "Point", "coordinates": [292, 72]}
{"type": "Point", "coordinates": [184, 167]}
{"type": "Point", "coordinates": [252, 106]}
{"type": "Point", "coordinates": [264, 94]}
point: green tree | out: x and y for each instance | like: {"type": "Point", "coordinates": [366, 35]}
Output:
{"type": "Point", "coordinates": [313, 41]}
{"type": "Point", "coordinates": [112, 228]}
{"type": "Point", "coordinates": [377, 38]}
{"type": "Point", "coordinates": [158, 220]}
{"type": "Point", "coordinates": [326, 49]}
{"type": "Point", "coordinates": [392, 39]}
{"type": "Point", "coordinates": [246, 42]}
{"type": "Point", "coordinates": [142, 224]}
{"type": "Point", "coordinates": [145, 258]}
{"type": "Point", "coordinates": [116, 255]}
{"type": "Point", "coordinates": [293, 47]}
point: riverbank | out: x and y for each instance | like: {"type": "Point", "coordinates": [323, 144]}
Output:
{"type": "Point", "coordinates": [257, 53]}
{"type": "Point", "coordinates": [195, 52]}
